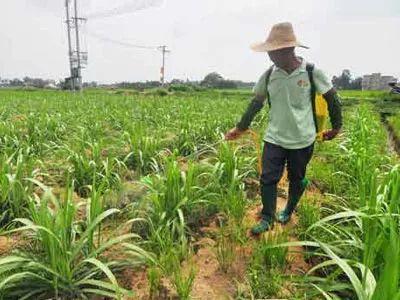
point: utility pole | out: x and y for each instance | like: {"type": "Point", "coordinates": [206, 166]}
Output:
{"type": "Point", "coordinates": [163, 51]}
{"type": "Point", "coordinates": [77, 57]}
{"type": "Point", "coordinates": [72, 83]}
{"type": "Point", "coordinates": [78, 50]}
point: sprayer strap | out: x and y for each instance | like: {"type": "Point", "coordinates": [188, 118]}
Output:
{"type": "Point", "coordinates": [310, 72]}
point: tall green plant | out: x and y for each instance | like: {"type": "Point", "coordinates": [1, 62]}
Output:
{"type": "Point", "coordinates": [64, 264]}
{"type": "Point", "coordinates": [14, 190]}
{"type": "Point", "coordinates": [90, 167]}
{"type": "Point", "coordinates": [361, 242]}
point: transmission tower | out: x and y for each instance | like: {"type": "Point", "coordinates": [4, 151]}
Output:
{"type": "Point", "coordinates": [163, 50]}
{"type": "Point", "coordinates": [77, 57]}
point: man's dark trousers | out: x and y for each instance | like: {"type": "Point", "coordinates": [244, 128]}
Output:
{"type": "Point", "coordinates": [274, 160]}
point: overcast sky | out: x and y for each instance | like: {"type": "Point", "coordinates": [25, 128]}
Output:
{"type": "Point", "coordinates": [203, 35]}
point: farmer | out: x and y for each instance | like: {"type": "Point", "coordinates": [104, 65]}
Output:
{"type": "Point", "coordinates": [289, 85]}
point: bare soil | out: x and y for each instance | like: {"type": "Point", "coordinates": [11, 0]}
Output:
{"type": "Point", "coordinates": [211, 282]}
{"type": "Point", "coordinates": [7, 244]}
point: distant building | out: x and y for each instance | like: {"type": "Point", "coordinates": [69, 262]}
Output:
{"type": "Point", "coordinates": [376, 81]}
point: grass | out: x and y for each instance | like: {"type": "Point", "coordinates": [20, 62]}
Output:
{"type": "Point", "coordinates": [308, 213]}
{"type": "Point", "coordinates": [356, 239]}
{"type": "Point", "coordinates": [64, 261]}
{"type": "Point", "coordinates": [395, 122]}
{"type": "Point", "coordinates": [14, 189]}
{"type": "Point", "coordinates": [225, 248]}
{"type": "Point", "coordinates": [362, 94]}
{"type": "Point", "coordinates": [90, 167]}
{"type": "Point", "coordinates": [92, 145]}
{"type": "Point", "coordinates": [265, 271]}
{"type": "Point", "coordinates": [183, 282]}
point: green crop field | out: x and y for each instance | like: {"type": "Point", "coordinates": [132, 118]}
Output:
{"type": "Point", "coordinates": [136, 195]}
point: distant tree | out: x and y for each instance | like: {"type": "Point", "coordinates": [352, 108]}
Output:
{"type": "Point", "coordinates": [36, 82]}
{"type": "Point", "coordinates": [212, 80]}
{"type": "Point", "coordinates": [137, 85]}
{"type": "Point", "coordinates": [16, 82]}
{"type": "Point", "coordinates": [153, 84]}
{"type": "Point", "coordinates": [356, 84]}
{"type": "Point", "coordinates": [346, 82]}
{"type": "Point", "coordinates": [177, 81]}
{"type": "Point", "coordinates": [342, 82]}
{"type": "Point", "coordinates": [227, 84]}
{"type": "Point", "coordinates": [5, 82]}
{"type": "Point", "coordinates": [243, 84]}
{"type": "Point", "coordinates": [91, 84]}
{"type": "Point", "coordinates": [26, 80]}
{"type": "Point", "coordinates": [62, 84]}
{"type": "Point", "coordinates": [39, 82]}
{"type": "Point", "coordinates": [215, 80]}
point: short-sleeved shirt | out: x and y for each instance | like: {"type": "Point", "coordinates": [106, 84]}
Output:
{"type": "Point", "coordinates": [291, 123]}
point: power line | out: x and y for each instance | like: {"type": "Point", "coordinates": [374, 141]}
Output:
{"type": "Point", "coordinates": [163, 50]}
{"type": "Point", "coordinates": [78, 59]}
{"type": "Point", "coordinates": [126, 8]}
{"type": "Point", "coordinates": [121, 43]}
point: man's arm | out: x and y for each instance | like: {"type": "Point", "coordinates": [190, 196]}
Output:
{"type": "Point", "coordinates": [253, 108]}
{"type": "Point", "coordinates": [335, 113]}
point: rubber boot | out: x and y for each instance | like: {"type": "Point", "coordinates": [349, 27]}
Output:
{"type": "Point", "coordinates": [296, 190]}
{"type": "Point", "coordinates": [268, 198]}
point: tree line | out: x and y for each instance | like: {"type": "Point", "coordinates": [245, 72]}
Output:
{"type": "Point", "coordinates": [346, 81]}
{"type": "Point", "coordinates": [28, 82]}
{"type": "Point", "coordinates": [214, 80]}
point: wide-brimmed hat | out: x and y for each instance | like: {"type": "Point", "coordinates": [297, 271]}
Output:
{"type": "Point", "coordinates": [281, 36]}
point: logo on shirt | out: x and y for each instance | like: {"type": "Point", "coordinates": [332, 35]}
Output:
{"type": "Point", "coordinates": [303, 83]}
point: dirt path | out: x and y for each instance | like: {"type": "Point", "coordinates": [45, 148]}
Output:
{"type": "Point", "coordinates": [295, 260]}
{"type": "Point", "coordinates": [393, 139]}
{"type": "Point", "coordinates": [211, 283]}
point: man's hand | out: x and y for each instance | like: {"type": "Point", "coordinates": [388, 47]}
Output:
{"type": "Point", "coordinates": [233, 134]}
{"type": "Point", "coordinates": [330, 134]}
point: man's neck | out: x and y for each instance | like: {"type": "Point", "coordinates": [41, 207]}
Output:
{"type": "Point", "coordinates": [292, 64]}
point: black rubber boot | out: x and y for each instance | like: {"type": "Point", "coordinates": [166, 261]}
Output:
{"type": "Point", "coordinates": [296, 190]}
{"type": "Point", "coordinates": [268, 198]}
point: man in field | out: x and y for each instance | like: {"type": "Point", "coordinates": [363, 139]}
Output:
{"type": "Point", "coordinates": [290, 86]}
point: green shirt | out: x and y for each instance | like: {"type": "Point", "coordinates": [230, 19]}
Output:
{"type": "Point", "coordinates": [291, 124]}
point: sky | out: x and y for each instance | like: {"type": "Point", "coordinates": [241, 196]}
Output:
{"type": "Point", "coordinates": [203, 35]}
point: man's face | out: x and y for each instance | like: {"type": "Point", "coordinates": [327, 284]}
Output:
{"type": "Point", "coordinates": [281, 57]}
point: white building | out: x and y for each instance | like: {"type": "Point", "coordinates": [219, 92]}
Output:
{"type": "Point", "coordinates": [376, 81]}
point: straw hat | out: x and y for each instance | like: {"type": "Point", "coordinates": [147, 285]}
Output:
{"type": "Point", "coordinates": [281, 36]}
